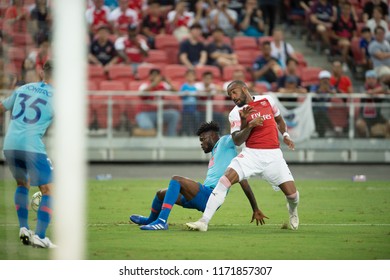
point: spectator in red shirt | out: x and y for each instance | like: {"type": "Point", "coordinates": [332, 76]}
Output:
{"type": "Point", "coordinates": [97, 15]}
{"type": "Point", "coordinates": [16, 17]}
{"type": "Point", "coordinates": [153, 23]}
{"type": "Point", "coordinates": [43, 54]}
{"type": "Point", "coordinates": [343, 30]}
{"type": "Point", "coordinates": [132, 49]}
{"type": "Point", "coordinates": [122, 17]}
{"type": "Point", "coordinates": [339, 81]}
{"type": "Point", "coordinates": [147, 118]}
{"type": "Point", "coordinates": [180, 20]}
{"type": "Point", "coordinates": [136, 5]}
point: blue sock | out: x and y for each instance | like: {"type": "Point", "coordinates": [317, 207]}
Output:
{"type": "Point", "coordinates": [21, 203]}
{"type": "Point", "coordinates": [44, 215]}
{"type": "Point", "coordinates": [169, 200]}
{"type": "Point", "coordinates": [154, 210]}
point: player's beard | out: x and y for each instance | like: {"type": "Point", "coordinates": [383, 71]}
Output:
{"type": "Point", "coordinates": [241, 102]}
{"type": "Point", "coordinates": [208, 147]}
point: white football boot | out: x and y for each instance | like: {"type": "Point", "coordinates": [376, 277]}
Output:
{"type": "Point", "coordinates": [198, 225]}
{"type": "Point", "coordinates": [294, 219]}
{"type": "Point", "coordinates": [26, 235]}
{"type": "Point", "coordinates": [37, 242]}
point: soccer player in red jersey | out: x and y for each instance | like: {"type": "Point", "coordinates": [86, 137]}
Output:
{"type": "Point", "coordinates": [255, 121]}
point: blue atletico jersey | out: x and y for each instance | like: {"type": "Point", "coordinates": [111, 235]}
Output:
{"type": "Point", "coordinates": [221, 156]}
{"type": "Point", "coordinates": [32, 113]}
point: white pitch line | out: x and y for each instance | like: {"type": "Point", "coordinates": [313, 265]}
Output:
{"type": "Point", "coordinates": [235, 225]}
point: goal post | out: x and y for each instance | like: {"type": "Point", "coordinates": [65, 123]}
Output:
{"type": "Point", "coordinates": [69, 146]}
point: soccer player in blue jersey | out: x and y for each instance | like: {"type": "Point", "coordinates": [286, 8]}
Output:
{"type": "Point", "coordinates": [31, 113]}
{"type": "Point", "coordinates": [194, 195]}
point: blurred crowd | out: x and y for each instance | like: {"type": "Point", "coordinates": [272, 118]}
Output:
{"type": "Point", "coordinates": [197, 47]}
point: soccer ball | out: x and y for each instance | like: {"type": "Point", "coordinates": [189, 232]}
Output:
{"type": "Point", "coordinates": [35, 201]}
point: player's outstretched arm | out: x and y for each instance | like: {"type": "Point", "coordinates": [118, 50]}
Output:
{"type": "Point", "coordinates": [283, 130]}
{"type": "Point", "coordinates": [2, 109]}
{"type": "Point", "coordinates": [257, 214]}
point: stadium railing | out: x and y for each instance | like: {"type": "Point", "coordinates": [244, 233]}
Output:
{"type": "Point", "coordinates": [113, 133]}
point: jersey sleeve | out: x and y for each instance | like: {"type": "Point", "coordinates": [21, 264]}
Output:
{"type": "Point", "coordinates": [143, 86]}
{"type": "Point", "coordinates": [229, 143]}
{"type": "Point", "coordinates": [144, 45]}
{"type": "Point", "coordinates": [275, 109]}
{"type": "Point", "coordinates": [235, 121]}
{"type": "Point", "coordinates": [120, 44]}
{"type": "Point", "coordinates": [89, 16]}
{"type": "Point", "coordinates": [8, 103]}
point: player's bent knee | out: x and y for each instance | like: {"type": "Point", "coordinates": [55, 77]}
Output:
{"type": "Point", "coordinates": [46, 189]}
{"type": "Point", "coordinates": [23, 183]}
{"type": "Point", "coordinates": [161, 194]}
{"type": "Point", "coordinates": [177, 178]}
{"type": "Point", "coordinates": [288, 188]}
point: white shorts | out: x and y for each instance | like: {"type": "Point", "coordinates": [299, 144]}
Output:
{"type": "Point", "coordinates": [269, 164]}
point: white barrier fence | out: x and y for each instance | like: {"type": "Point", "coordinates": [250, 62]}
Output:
{"type": "Point", "coordinates": [116, 120]}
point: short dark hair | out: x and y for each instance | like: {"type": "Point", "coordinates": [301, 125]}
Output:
{"type": "Point", "coordinates": [208, 126]}
{"type": "Point", "coordinates": [190, 71]}
{"type": "Point", "coordinates": [365, 29]}
{"type": "Point", "coordinates": [196, 25]}
{"type": "Point", "coordinates": [154, 71]}
{"type": "Point", "coordinates": [207, 73]}
{"type": "Point", "coordinates": [236, 82]}
{"type": "Point", "coordinates": [266, 43]}
{"type": "Point", "coordinates": [379, 28]}
{"type": "Point", "coordinates": [48, 68]}
{"type": "Point", "coordinates": [289, 59]}
{"type": "Point", "coordinates": [218, 29]}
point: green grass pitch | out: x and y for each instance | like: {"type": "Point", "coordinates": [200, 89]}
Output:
{"type": "Point", "coordinates": [339, 220]}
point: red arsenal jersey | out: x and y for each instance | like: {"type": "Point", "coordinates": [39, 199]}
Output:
{"type": "Point", "coordinates": [261, 137]}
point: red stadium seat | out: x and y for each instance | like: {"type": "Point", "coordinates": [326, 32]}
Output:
{"type": "Point", "coordinates": [175, 71]}
{"type": "Point", "coordinates": [338, 114]}
{"type": "Point", "coordinates": [144, 69]}
{"type": "Point", "coordinates": [112, 86]}
{"type": "Point", "coordinates": [359, 27]}
{"type": "Point", "coordinates": [219, 103]}
{"type": "Point", "coordinates": [173, 102]}
{"type": "Point", "coordinates": [227, 74]}
{"type": "Point", "coordinates": [96, 73]}
{"type": "Point", "coordinates": [309, 76]}
{"type": "Point", "coordinates": [208, 68]}
{"type": "Point", "coordinates": [16, 56]}
{"type": "Point", "coordinates": [134, 85]}
{"type": "Point", "coordinates": [22, 39]}
{"type": "Point", "coordinates": [265, 39]}
{"type": "Point", "coordinates": [356, 51]}
{"type": "Point", "coordinates": [301, 59]}
{"type": "Point", "coordinates": [98, 110]}
{"type": "Point", "coordinates": [260, 88]}
{"type": "Point", "coordinates": [132, 107]}
{"type": "Point", "coordinates": [226, 40]}
{"type": "Point", "coordinates": [247, 58]}
{"type": "Point", "coordinates": [120, 72]}
{"type": "Point", "coordinates": [157, 57]}
{"type": "Point", "coordinates": [244, 43]}
{"type": "Point", "coordinates": [92, 85]}
{"type": "Point", "coordinates": [169, 44]}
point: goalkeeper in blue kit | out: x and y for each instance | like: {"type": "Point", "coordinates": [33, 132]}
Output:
{"type": "Point", "coordinates": [194, 195]}
{"type": "Point", "coordinates": [25, 153]}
